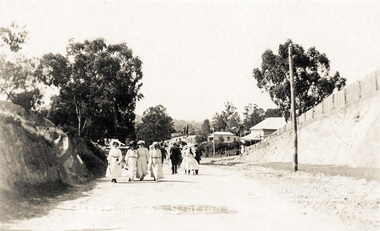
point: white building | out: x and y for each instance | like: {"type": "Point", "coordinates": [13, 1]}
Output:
{"type": "Point", "coordinates": [183, 138]}
{"type": "Point", "coordinates": [263, 129]}
{"type": "Point", "coordinates": [225, 137]}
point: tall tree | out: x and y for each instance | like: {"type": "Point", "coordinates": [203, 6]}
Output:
{"type": "Point", "coordinates": [252, 115]}
{"type": "Point", "coordinates": [204, 131]}
{"type": "Point", "coordinates": [311, 76]}
{"type": "Point", "coordinates": [156, 125]}
{"type": "Point", "coordinates": [218, 122]}
{"type": "Point", "coordinates": [15, 76]}
{"type": "Point", "coordinates": [99, 86]}
{"type": "Point", "coordinates": [17, 82]}
{"type": "Point", "coordinates": [13, 36]}
{"type": "Point", "coordinates": [273, 112]}
{"type": "Point", "coordinates": [231, 115]}
{"type": "Point", "coordinates": [227, 119]}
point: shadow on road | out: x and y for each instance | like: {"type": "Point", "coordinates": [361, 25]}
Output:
{"type": "Point", "coordinates": [153, 182]}
{"type": "Point", "coordinates": [36, 201]}
{"type": "Point", "coordinates": [194, 209]}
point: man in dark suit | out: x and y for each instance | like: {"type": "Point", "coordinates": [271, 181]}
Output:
{"type": "Point", "coordinates": [163, 152]}
{"type": "Point", "coordinates": [198, 153]}
{"type": "Point", "coordinates": [175, 155]}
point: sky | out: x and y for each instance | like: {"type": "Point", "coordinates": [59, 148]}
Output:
{"type": "Point", "coordinates": [197, 55]}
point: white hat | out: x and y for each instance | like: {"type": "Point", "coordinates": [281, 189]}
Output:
{"type": "Point", "coordinates": [155, 144]}
{"type": "Point", "coordinates": [140, 142]}
{"type": "Point", "coordinates": [113, 141]}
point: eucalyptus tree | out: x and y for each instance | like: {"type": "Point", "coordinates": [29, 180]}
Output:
{"type": "Point", "coordinates": [17, 82]}
{"type": "Point", "coordinates": [156, 125]}
{"type": "Point", "coordinates": [312, 78]}
{"type": "Point", "coordinates": [227, 119]}
{"type": "Point", "coordinates": [99, 85]}
{"type": "Point", "coordinates": [252, 115]}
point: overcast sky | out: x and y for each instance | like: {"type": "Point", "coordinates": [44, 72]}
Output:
{"type": "Point", "coordinates": [199, 54]}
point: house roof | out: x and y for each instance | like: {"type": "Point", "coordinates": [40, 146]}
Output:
{"type": "Point", "coordinates": [222, 133]}
{"type": "Point", "coordinates": [270, 123]}
{"type": "Point", "coordinates": [252, 136]}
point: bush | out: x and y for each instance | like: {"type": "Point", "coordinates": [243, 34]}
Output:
{"type": "Point", "coordinates": [96, 151]}
{"type": "Point", "coordinates": [28, 100]}
{"type": "Point", "coordinates": [220, 147]}
{"type": "Point", "coordinates": [8, 119]}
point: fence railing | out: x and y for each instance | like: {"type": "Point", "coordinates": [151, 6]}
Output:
{"type": "Point", "coordinates": [352, 93]}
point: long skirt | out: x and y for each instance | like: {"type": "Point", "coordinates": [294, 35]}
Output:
{"type": "Point", "coordinates": [131, 168]}
{"type": "Point", "coordinates": [114, 169]}
{"type": "Point", "coordinates": [142, 167]}
{"type": "Point", "coordinates": [156, 169]}
{"type": "Point", "coordinates": [189, 163]}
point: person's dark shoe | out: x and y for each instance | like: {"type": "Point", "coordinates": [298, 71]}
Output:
{"type": "Point", "coordinates": [196, 172]}
{"type": "Point", "coordinates": [115, 181]}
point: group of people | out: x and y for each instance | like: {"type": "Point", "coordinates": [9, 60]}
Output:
{"type": "Point", "coordinates": [138, 160]}
{"type": "Point", "coordinates": [187, 158]}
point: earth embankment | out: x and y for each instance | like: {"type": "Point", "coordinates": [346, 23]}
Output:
{"type": "Point", "coordinates": [346, 136]}
{"type": "Point", "coordinates": [34, 152]}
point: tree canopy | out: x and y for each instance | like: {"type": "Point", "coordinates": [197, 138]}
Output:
{"type": "Point", "coordinates": [227, 119]}
{"type": "Point", "coordinates": [252, 115]}
{"type": "Point", "coordinates": [17, 82]}
{"type": "Point", "coordinates": [204, 131]}
{"type": "Point", "coordinates": [13, 36]}
{"type": "Point", "coordinates": [156, 125]}
{"type": "Point", "coordinates": [99, 85]}
{"type": "Point", "coordinates": [312, 78]}
{"type": "Point", "coordinates": [15, 76]}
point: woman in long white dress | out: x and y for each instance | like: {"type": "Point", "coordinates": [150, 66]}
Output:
{"type": "Point", "coordinates": [114, 162]}
{"type": "Point", "coordinates": [131, 160]}
{"type": "Point", "coordinates": [142, 160]}
{"type": "Point", "coordinates": [189, 162]}
{"type": "Point", "coordinates": [155, 162]}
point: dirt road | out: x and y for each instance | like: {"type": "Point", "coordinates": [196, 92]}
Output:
{"type": "Point", "coordinates": [213, 200]}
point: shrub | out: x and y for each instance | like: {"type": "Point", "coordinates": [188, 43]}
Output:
{"type": "Point", "coordinates": [9, 119]}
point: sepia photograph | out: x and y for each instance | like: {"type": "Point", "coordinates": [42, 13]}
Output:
{"type": "Point", "coordinates": [189, 115]}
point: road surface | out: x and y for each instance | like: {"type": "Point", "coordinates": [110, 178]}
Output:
{"type": "Point", "coordinates": [215, 199]}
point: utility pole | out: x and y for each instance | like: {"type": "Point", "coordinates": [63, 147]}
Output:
{"type": "Point", "coordinates": [213, 143]}
{"type": "Point", "coordinates": [293, 109]}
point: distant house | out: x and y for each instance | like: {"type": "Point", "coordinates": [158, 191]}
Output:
{"type": "Point", "coordinates": [263, 129]}
{"type": "Point", "coordinates": [182, 138]}
{"type": "Point", "coordinates": [225, 137]}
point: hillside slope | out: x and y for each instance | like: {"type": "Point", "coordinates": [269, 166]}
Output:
{"type": "Point", "coordinates": [347, 136]}
{"type": "Point", "coordinates": [34, 152]}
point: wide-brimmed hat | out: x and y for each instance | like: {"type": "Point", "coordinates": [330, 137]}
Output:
{"type": "Point", "coordinates": [132, 143]}
{"type": "Point", "coordinates": [155, 144]}
{"type": "Point", "coordinates": [140, 142]}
